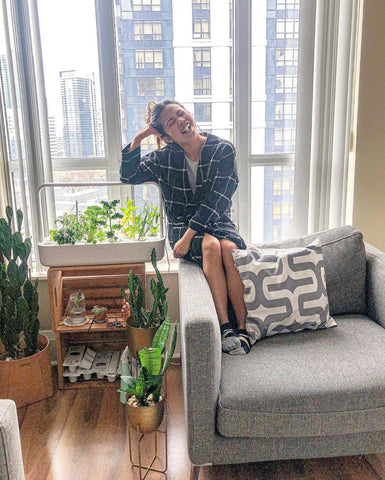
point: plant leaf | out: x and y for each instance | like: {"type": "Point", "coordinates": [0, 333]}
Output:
{"type": "Point", "coordinates": [9, 213]}
{"type": "Point", "coordinates": [129, 381]}
{"type": "Point", "coordinates": [170, 351]}
{"type": "Point", "coordinates": [151, 360]}
{"type": "Point", "coordinates": [161, 335]}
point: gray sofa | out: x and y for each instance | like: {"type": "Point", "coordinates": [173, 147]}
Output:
{"type": "Point", "coordinates": [300, 395]}
{"type": "Point", "coordinates": [11, 461]}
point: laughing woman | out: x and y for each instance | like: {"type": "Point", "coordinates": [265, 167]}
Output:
{"type": "Point", "coordinates": [197, 176]}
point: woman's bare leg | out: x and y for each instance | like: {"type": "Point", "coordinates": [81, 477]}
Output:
{"type": "Point", "coordinates": [234, 283]}
{"type": "Point", "coordinates": [215, 275]}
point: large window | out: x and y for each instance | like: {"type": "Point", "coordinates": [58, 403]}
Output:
{"type": "Point", "coordinates": [71, 100]}
{"type": "Point", "coordinates": [202, 57]}
{"type": "Point", "coordinates": [150, 86]}
{"type": "Point", "coordinates": [201, 28]}
{"type": "Point", "coordinates": [146, 5]}
{"type": "Point", "coordinates": [149, 59]}
{"type": "Point", "coordinates": [203, 112]}
{"type": "Point", "coordinates": [147, 31]}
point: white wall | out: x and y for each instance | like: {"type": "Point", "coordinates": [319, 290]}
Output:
{"type": "Point", "coordinates": [369, 184]}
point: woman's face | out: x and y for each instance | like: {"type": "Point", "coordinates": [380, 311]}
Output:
{"type": "Point", "coordinates": [179, 125]}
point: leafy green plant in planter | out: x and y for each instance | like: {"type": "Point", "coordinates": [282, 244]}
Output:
{"type": "Point", "coordinates": [147, 221]}
{"type": "Point", "coordinates": [135, 298]}
{"type": "Point", "coordinates": [19, 305]}
{"type": "Point", "coordinates": [100, 313]}
{"type": "Point", "coordinates": [153, 220]}
{"type": "Point", "coordinates": [146, 389]}
{"type": "Point", "coordinates": [128, 219]}
{"type": "Point", "coordinates": [68, 231]}
{"type": "Point", "coordinates": [108, 216]}
{"type": "Point", "coordinates": [92, 224]}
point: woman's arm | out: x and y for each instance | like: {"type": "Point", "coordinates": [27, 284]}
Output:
{"type": "Point", "coordinates": [145, 132]}
{"type": "Point", "coordinates": [135, 169]}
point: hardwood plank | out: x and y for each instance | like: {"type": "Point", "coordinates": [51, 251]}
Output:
{"type": "Point", "coordinates": [82, 435]}
{"type": "Point", "coordinates": [377, 462]}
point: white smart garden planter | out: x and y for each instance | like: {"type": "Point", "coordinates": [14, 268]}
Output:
{"type": "Point", "coordinates": [123, 251]}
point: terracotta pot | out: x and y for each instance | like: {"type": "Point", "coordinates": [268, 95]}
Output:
{"type": "Point", "coordinates": [100, 317]}
{"type": "Point", "coordinates": [147, 418]}
{"type": "Point", "coordinates": [28, 379]}
{"type": "Point", "coordinates": [139, 337]}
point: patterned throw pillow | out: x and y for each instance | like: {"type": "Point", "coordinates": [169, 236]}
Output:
{"type": "Point", "coordinates": [285, 290]}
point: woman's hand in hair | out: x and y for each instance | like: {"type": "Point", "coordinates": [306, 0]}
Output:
{"type": "Point", "coordinates": [143, 133]}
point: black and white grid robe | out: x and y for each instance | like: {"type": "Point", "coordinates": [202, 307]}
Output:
{"type": "Point", "coordinates": [205, 211]}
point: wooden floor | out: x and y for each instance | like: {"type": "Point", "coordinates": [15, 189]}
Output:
{"type": "Point", "coordinates": [81, 435]}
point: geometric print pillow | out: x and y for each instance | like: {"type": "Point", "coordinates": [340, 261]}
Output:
{"type": "Point", "coordinates": [284, 290]}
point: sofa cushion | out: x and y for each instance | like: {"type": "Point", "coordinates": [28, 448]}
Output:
{"type": "Point", "coordinates": [285, 290]}
{"type": "Point", "coordinates": [345, 266]}
{"type": "Point", "coordinates": [313, 383]}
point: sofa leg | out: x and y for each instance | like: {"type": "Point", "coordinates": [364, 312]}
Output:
{"type": "Point", "coordinates": [194, 475]}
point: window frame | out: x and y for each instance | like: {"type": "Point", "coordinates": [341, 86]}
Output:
{"type": "Point", "coordinates": [308, 214]}
{"type": "Point", "coordinates": [201, 33]}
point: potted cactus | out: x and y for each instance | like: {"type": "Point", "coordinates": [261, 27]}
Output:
{"type": "Point", "coordinates": [141, 323]}
{"type": "Point", "coordinates": [100, 314]}
{"type": "Point", "coordinates": [24, 353]}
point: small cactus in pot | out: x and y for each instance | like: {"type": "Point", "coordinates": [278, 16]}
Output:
{"type": "Point", "coordinates": [100, 313]}
{"type": "Point", "coordinates": [19, 303]}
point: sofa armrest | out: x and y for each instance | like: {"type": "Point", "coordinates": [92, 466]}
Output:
{"type": "Point", "coordinates": [375, 284]}
{"type": "Point", "coordinates": [11, 460]}
{"type": "Point", "coordinates": [201, 360]}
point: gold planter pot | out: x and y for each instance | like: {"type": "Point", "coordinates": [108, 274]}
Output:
{"type": "Point", "coordinates": [148, 419]}
{"type": "Point", "coordinates": [139, 338]}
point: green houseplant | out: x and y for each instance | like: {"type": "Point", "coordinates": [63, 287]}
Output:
{"type": "Point", "coordinates": [139, 225]}
{"type": "Point", "coordinates": [100, 313]}
{"type": "Point", "coordinates": [141, 323]}
{"type": "Point", "coordinates": [141, 318]}
{"type": "Point", "coordinates": [19, 323]}
{"type": "Point", "coordinates": [145, 405]}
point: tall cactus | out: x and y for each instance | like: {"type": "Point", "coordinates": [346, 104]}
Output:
{"type": "Point", "coordinates": [135, 298]}
{"type": "Point", "coordinates": [158, 290]}
{"type": "Point", "coordinates": [158, 312]}
{"type": "Point", "coordinates": [19, 303]}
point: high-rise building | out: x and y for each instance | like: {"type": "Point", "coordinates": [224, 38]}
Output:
{"type": "Point", "coordinates": [79, 114]}
{"type": "Point", "coordinates": [5, 75]}
{"type": "Point", "coordinates": [53, 140]}
{"type": "Point", "coordinates": [282, 21]}
{"type": "Point", "coordinates": [145, 29]}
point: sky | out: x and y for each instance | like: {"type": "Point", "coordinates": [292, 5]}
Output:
{"type": "Point", "coordinates": [68, 43]}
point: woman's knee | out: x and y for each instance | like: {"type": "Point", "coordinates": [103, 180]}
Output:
{"type": "Point", "coordinates": [227, 246]}
{"type": "Point", "coordinates": [211, 248]}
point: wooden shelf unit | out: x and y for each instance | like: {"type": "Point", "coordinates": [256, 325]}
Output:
{"type": "Point", "coordinates": [101, 285]}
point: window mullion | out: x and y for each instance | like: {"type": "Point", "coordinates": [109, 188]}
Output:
{"type": "Point", "coordinates": [11, 73]}
{"type": "Point", "coordinates": [29, 110]}
{"type": "Point", "coordinates": [242, 109]}
{"type": "Point", "coordinates": [49, 199]}
{"type": "Point", "coordinates": [304, 115]}
{"type": "Point", "coordinates": [271, 159]}
{"type": "Point", "coordinates": [108, 68]}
